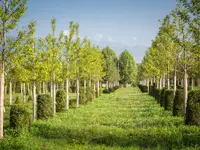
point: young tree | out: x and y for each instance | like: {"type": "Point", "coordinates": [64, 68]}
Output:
{"type": "Point", "coordinates": [11, 12]}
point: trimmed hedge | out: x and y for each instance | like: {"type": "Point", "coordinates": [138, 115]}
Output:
{"type": "Point", "coordinates": [110, 90]}
{"type": "Point", "coordinates": [157, 94]}
{"type": "Point", "coordinates": [89, 93]}
{"type": "Point", "coordinates": [143, 88]}
{"type": "Point", "coordinates": [60, 100]}
{"type": "Point", "coordinates": [193, 108]}
{"type": "Point", "coordinates": [169, 98]}
{"type": "Point", "coordinates": [82, 95]}
{"type": "Point", "coordinates": [44, 106]}
{"type": "Point", "coordinates": [178, 105]}
{"type": "Point", "coordinates": [162, 97]}
{"type": "Point", "coordinates": [20, 115]}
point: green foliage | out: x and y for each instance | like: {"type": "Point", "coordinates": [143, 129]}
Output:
{"type": "Point", "coordinates": [162, 97]}
{"type": "Point", "coordinates": [72, 103]}
{"type": "Point", "coordinates": [128, 68]}
{"type": "Point", "coordinates": [89, 94]}
{"type": "Point", "coordinates": [60, 100]}
{"type": "Point", "coordinates": [193, 108]}
{"type": "Point", "coordinates": [19, 115]}
{"type": "Point", "coordinates": [178, 105]}
{"type": "Point", "coordinates": [44, 106]}
{"type": "Point", "coordinates": [82, 95]}
{"type": "Point", "coordinates": [169, 99]}
{"type": "Point", "coordinates": [100, 92]}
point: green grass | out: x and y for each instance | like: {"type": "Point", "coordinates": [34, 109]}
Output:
{"type": "Point", "coordinates": [124, 120]}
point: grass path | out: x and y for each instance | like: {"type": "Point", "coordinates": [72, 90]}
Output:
{"type": "Point", "coordinates": [126, 119]}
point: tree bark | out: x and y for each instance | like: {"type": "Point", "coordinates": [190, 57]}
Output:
{"type": "Point", "coordinates": [160, 83]}
{"type": "Point", "coordinates": [34, 101]}
{"type": "Point", "coordinates": [43, 87]}
{"type": "Point", "coordinates": [1, 98]}
{"type": "Point", "coordinates": [94, 90]}
{"type": "Point", "coordinates": [85, 84]}
{"type": "Point", "coordinates": [21, 86]}
{"type": "Point", "coordinates": [10, 92]}
{"type": "Point", "coordinates": [51, 88]}
{"type": "Point", "coordinates": [192, 84]}
{"type": "Point", "coordinates": [24, 91]}
{"type": "Point", "coordinates": [106, 84]}
{"type": "Point", "coordinates": [148, 85]}
{"type": "Point", "coordinates": [67, 94]}
{"type": "Point", "coordinates": [77, 92]}
{"type": "Point", "coordinates": [97, 88]}
{"type": "Point", "coordinates": [185, 91]}
{"type": "Point", "coordinates": [54, 97]}
{"type": "Point", "coordinates": [174, 80]}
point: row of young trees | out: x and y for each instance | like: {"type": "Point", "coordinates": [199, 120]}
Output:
{"type": "Point", "coordinates": [40, 65]}
{"type": "Point", "coordinates": [174, 54]}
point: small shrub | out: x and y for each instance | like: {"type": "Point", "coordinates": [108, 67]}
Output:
{"type": "Point", "coordinates": [82, 95]}
{"type": "Point", "coordinates": [100, 92]}
{"type": "Point", "coordinates": [157, 94]}
{"type": "Point", "coordinates": [193, 108]}
{"type": "Point", "coordinates": [72, 103]}
{"type": "Point", "coordinates": [189, 88]}
{"type": "Point", "coordinates": [106, 91]}
{"type": "Point", "coordinates": [143, 88]}
{"type": "Point", "coordinates": [60, 100]}
{"type": "Point", "coordinates": [44, 106]}
{"type": "Point", "coordinates": [178, 105]}
{"type": "Point", "coordinates": [162, 97]}
{"type": "Point", "coordinates": [19, 115]}
{"type": "Point", "coordinates": [169, 99]}
{"type": "Point", "coordinates": [89, 94]}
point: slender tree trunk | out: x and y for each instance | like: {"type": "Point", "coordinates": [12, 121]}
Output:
{"type": "Point", "coordinates": [77, 92]}
{"type": "Point", "coordinates": [34, 101]}
{"type": "Point", "coordinates": [51, 88]}
{"type": "Point", "coordinates": [168, 81]}
{"type": "Point", "coordinates": [31, 89]}
{"type": "Point", "coordinates": [106, 84]}
{"type": "Point", "coordinates": [94, 90]}
{"type": "Point", "coordinates": [24, 93]}
{"type": "Point", "coordinates": [54, 96]}
{"type": "Point", "coordinates": [182, 82]}
{"type": "Point", "coordinates": [67, 94]}
{"type": "Point", "coordinates": [163, 79]}
{"type": "Point", "coordinates": [148, 85]}
{"type": "Point", "coordinates": [185, 91]}
{"type": "Point", "coordinates": [63, 85]}
{"type": "Point", "coordinates": [14, 86]}
{"type": "Point", "coordinates": [10, 92]}
{"type": "Point", "coordinates": [21, 85]}
{"type": "Point", "coordinates": [160, 83]}
{"type": "Point", "coordinates": [43, 87]}
{"type": "Point", "coordinates": [1, 98]}
{"type": "Point", "coordinates": [97, 88]}
{"type": "Point", "coordinates": [192, 84]}
{"type": "Point", "coordinates": [174, 80]}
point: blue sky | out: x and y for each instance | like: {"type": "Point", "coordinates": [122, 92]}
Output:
{"type": "Point", "coordinates": [121, 24]}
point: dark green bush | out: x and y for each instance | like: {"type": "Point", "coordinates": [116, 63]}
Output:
{"type": "Point", "coordinates": [19, 115]}
{"type": "Point", "coordinates": [106, 91]}
{"type": "Point", "coordinates": [72, 103]}
{"type": "Point", "coordinates": [151, 90]}
{"type": "Point", "coordinates": [82, 95]}
{"type": "Point", "coordinates": [178, 105]}
{"type": "Point", "coordinates": [89, 93]}
{"type": "Point", "coordinates": [169, 99]}
{"type": "Point", "coordinates": [100, 92]}
{"type": "Point", "coordinates": [157, 94]}
{"type": "Point", "coordinates": [44, 106]}
{"type": "Point", "coordinates": [143, 88]}
{"type": "Point", "coordinates": [193, 108]}
{"type": "Point", "coordinates": [189, 88]}
{"type": "Point", "coordinates": [60, 100]}
{"type": "Point", "coordinates": [162, 97]}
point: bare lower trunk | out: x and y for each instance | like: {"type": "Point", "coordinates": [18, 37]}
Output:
{"type": "Point", "coordinates": [192, 84]}
{"type": "Point", "coordinates": [185, 92]}
{"type": "Point", "coordinates": [106, 84]}
{"type": "Point", "coordinates": [67, 94]}
{"type": "Point", "coordinates": [160, 83]}
{"type": "Point", "coordinates": [174, 81]}
{"type": "Point", "coordinates": [43, 87]}
{"type": "Point", "coordinates": [94, 90]}
{"type": "Point", "coordinates": [148, 85]}
{"type": "Point", "coordinates": [182, 82]}
{"type": "Point", "coordinates": [21, 86]}
{"type": "Point", "coordinates": [163, 81]}
{"type": "Point", "coordinates": [54, 98]}
{"type": "Point", "coordinates": [98, 88]}
{"type": "Point", "coordinates": [1, 98]}
{"type": "Point", "coordinates": [28, 88]}
{"type": "Point", "coordinates": [34, 101]}
{"type": "Point", "coordinates": [77, 92]}
{"type": "Point", "coordinates": [24, 91]}
{"type": "Point", "coordinates": [10, 92]}
{"type": "Point", "coordinates": [51, 88]}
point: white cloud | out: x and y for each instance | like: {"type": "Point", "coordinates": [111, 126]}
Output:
{"type": "Point", "coordinates": [134, 38]}
{"type": "Point", "coordinates": [66, 32]}
{"type": "Point", "coordinates": [110, 39]}
{"type": "Point", "coordinates": [98, 37]}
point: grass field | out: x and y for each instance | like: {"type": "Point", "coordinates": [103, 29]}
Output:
{"type": "Point", "coordinates": [124, 120]}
